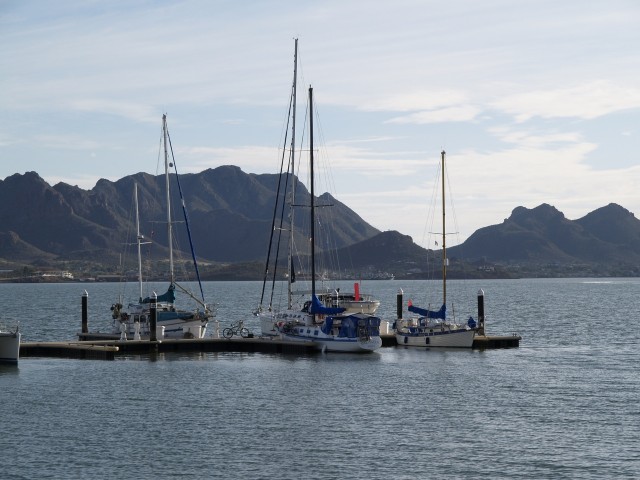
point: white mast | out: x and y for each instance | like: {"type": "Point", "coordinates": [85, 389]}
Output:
{"type": "Point", "coordinates": [139, 238]}
{"type": "Point", "coordinates": [444, 239]}
{"type": "Point", "coordinates": [292, 170]}
{"type": "Point", "coordinates": [166, 175]}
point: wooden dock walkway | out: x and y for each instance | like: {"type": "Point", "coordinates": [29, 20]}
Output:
{"type": "Point", "coordinates": [109, 349]}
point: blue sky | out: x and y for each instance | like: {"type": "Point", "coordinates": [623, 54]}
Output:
{"type": "Point", "coordinates": [534, 102]}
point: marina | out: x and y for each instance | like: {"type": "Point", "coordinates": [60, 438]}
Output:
{"type": "Point", "coordinates": [108, 345]}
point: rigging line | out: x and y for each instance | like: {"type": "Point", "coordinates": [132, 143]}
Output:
{"type": "Point", "coordinates": [295, 180]}
{"type": "Point", "coordinates": [431, 218]}
{"type": "Point", "coordinates": [330, 239]}
{"type": "Point", "coordinates": [186, 218]}
{"type": "Point", "coordinates": [275, 265]}
{"type": "Point", "coordinates": [281, 229]}
{"type": "Point", "coordinates": [275, 211]}
{"type": "Point", "coordinates": [451, 205]}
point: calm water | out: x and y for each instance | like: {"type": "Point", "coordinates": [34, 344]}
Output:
{"type": "Point", "coordinates": [563, 405]}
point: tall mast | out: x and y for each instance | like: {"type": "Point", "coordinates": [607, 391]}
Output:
{"type": "Point", "coordinates": [139, 238]}
{"type": "Point", "coordinates": [166, 177]}
{"type": "Point", "coordinates": [444, 239]}
{"type": "Point", "coordinates": [313, 246]}
{"type": "Point", "coordinates": [292, 169]}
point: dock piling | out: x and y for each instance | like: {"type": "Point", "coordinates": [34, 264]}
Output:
{"type": "Point", "coordinates": [153, 318]}
{"type": "Point", "coordinates": [480, 312]}
{"type": "Point", "coordinates": [85, 315]}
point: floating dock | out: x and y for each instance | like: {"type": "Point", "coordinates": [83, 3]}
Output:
{"type": "Point", "coordinates": [496, 341]}
{"type": "Point", "coordinates": [109, 349]}
{"type": "Point", "coordinates": [480, 342]}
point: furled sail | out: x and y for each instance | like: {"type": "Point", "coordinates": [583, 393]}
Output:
{"type": "Point", "coordinates": [441, 314]}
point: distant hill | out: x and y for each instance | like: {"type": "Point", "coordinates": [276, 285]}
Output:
{"type": "Point", "coordinates": [231, 214]}
{"type": "Point", "coordinates": [532, 242]}
{"type": "Point", "coordinates": [607, 235]}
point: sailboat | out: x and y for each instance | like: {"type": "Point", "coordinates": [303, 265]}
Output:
{"type": "Point", "coordinates": [331, 329]}
{"type": "Point", "coordinates": [431, 328]}
{"type": "Point", "coordinates": [347, 302]}
{"type": "Point", "coordinates": [134, 320]}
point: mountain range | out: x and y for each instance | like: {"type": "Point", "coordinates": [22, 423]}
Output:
{"type": "Point", "coordinates": [231, 215]}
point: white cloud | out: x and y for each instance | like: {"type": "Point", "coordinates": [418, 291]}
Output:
{"type": "Point", "coordinates": [587, 101]}
{"type": "Point", "coordinates": [70, 142]}
{"type": "Point", "coordinates": [417, 100]}
{"type": "Point", "coordinates": [461, 113]}
{"type": "Point", "coordinates": [134, 111]}
{"type": "Point", "coordinates": [528, 139]}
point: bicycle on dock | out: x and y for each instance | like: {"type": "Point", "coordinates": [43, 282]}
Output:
{"type": "Point", "coordinates": [236, 329]}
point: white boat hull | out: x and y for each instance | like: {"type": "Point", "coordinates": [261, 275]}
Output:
{"type": "Point", "coordinates": [363, 306]}
{"type": "Point", "coordinates": [336, 344]}
{"type": "Point", "coordinates": [9, 347]}
{"type": "Point", "coordinates": [270, 321]}
{"type": "Point", "coordinates": [453, 338]}
{"type": "Point", "coordinates": [268, 326]}
{"type": "Point", "coordinates": [297, 327]}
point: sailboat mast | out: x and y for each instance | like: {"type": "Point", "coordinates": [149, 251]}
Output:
{"type": "Point", "coordinates": [444, 239]}
{"type": "Point", "coordinates": [166, 177]}
{"type": "Point", "coordinates": [292, 169]}
{"type": "Point", "coordinates": [139, 238]}
{"type": "Point", "coordinates": [313, 220]}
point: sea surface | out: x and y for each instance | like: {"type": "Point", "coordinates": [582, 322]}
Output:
{"type": "Point", "coordinates": [565, 404]}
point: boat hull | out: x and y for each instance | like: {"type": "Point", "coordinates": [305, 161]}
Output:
{"type": "Point", "coordinates": [271, 321]}
{"type": "Point", "coordinates": [337, 344]}
{"type": "Point", "coordinates": [461, 338]}
{"type": "Point", "coordinates": [169, 328]}
{"type": "Point", "coordinates": [9, 347]}
{"type": "Point", "coordinates": [365, 304]}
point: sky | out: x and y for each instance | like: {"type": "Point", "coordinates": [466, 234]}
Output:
{"type": "Point", "coordinates": [534, 102]}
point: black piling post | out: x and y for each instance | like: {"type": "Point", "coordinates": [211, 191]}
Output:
{"type": "Point", "coordinates": [85, 314]}
{"type": "Point", "coordinates": [480, 312]}
{"type": "Point", "coordinates": [153, 317]}
{"type": "Point", "coordinates": [399, 304]}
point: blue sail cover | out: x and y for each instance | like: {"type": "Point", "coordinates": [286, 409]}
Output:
{"type": "Point", "coordinates": [169, 297]}
{"type": "Point", "coordinates": [349, 325]}
{"type": "Point", "coordinates": [441, 314]}
{"type": "Point", "coordinates": [318, 308]}
{"type": "Point", "coordinates": [327, 325]}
